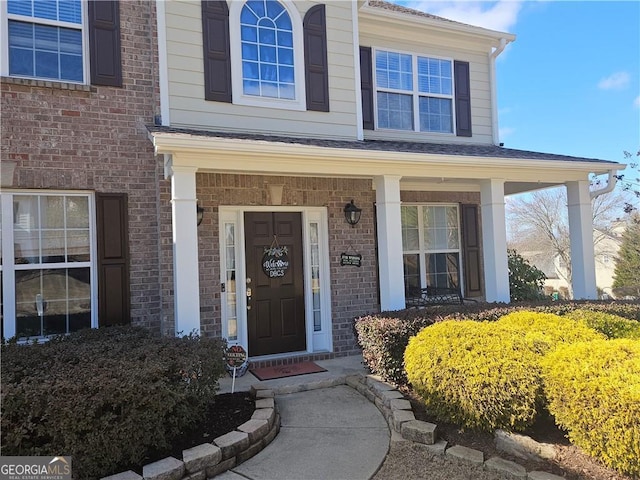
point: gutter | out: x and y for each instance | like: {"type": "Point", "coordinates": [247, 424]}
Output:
{"type": "Point", "coordinates": [611, 183]}
{"type": "Point", "coordinates": [494, 94]}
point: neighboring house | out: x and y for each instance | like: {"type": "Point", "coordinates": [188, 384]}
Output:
{"type": "Point", "coordinates": [124, 121]}
{"type": "Point", "coordinates": [606, 246]}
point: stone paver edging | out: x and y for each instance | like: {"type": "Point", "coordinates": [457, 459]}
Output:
{"type": "Point", "coordinates": [399, 415]}
{"type": "Point", "coordinates": [225, 452]}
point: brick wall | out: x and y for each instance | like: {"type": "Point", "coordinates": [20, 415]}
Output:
{"type": "Point", "coordinates": [354, 290]}
{"type": "Point", "coordinates": [79, 137]}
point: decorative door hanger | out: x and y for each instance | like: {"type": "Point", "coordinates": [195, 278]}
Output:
{"type": "Point", "coordinates": [275, 261]}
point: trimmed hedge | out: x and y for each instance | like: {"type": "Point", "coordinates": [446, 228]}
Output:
{"type": "Point", "coordinates": [593, 390]}
{"type": "Point", "coordinates": [613, 326]}
{"type": "Point", "coordinates": [105, 396]}
{"type": "Point", "coordinates": [543, 332]}
{"type": "Point", "coordinates": [467, 374]}
{"type": "Point", "coordinates": [487, 375]}
{"type": "Point", "coordinates": [383, 341]}
{"type": "Point", "coordinates": [383, 337]}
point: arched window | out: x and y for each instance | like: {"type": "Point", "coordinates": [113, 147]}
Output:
{"type": "Point", "coordinates": [267, 45]}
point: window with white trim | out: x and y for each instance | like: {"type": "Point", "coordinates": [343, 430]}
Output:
{"type": "Point", "coordinates": [45, 39]}
{"type": "Point", "coordinates": [267, 50]}
{"type": "Point", "coordinates": [431, 246]}
{"type": "Point", "coordinates": [413, 92]}
{"type": "Point", "coordinates": [316, 284]}
{"type": "Point", "coordinates": [267, 54]}
{"type": "Point", "coordinates": [230, 281]}
{"type": "Point", "coordinates": [47, 263]}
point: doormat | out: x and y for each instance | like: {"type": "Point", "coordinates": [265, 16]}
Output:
{"type": "Point", "coordinates": [281, 371]}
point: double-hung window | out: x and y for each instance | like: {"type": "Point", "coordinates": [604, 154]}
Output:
{"type": "Point", "coordinates": [431, 246]}
{"type": "Point", "coordinates": [45, 39]}
{"type": "Point", "coordinates": [414, 92]}
{"type": "Point", "coordinates": [47, 263]}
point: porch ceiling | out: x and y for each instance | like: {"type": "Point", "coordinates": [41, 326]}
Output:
{"type": "Point", "coordinates": [422, 166]}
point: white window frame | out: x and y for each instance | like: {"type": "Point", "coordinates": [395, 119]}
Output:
{"type": "Point", "coordinates": [4, 41]}
{"type": "Point", "coordinates": [8, 267]}
{"type": "Point", "coordinates": [415, 93]}
{"type": "Point", "coordinates": [422, 251]}
{"type": "Point", "coordinates": [239, 98]}
{"type": "Point", "coordinates": [317, 341]}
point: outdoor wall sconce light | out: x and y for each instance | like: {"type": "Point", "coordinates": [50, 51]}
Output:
{"type": "Point", "coordinates": [352, 213]}
{"type": "Point", "coordinates": [199, 214]}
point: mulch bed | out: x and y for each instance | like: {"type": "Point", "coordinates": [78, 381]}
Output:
{"type": "Point", "coordinates": [570, 462]}
{"type": "Point", "coordinates": [230, 410]}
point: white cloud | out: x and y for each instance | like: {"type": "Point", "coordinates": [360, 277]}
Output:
{"type": "Point", "coordinates": [504, 132]}
{"type": "Point", "coordinates": [636, 102]}
{"type": "Point", "coordinates": [499, 15]}
{"type": "Point", "coordinates": [615, 81]}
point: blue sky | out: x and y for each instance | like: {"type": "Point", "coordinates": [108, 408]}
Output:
{"type": "Point", "coordinates": [570, 83]}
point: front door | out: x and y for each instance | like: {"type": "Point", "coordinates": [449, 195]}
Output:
{"type": "Point", "coordinates": [275, 282]}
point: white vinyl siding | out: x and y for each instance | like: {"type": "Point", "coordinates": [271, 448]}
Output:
{"type": "Point", "coordinates": [449, 45]}
{"type": "Point", "coordinates": [186, 81]}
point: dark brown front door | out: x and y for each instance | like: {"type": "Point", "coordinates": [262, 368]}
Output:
{"type": "Point", "coordinates": [275, 315]}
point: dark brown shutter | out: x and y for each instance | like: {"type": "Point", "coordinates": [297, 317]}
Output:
{"type": "Point", "coordinates": [217, 59]}
{"type": "Point", "coordinates": [316, 68]}
{"type": "Point", "coordinates": [366, 86]}
{"type": "Point", "coordinates": [105, 59]}
{"type": "Point", "coordinates": [113, 259]}
{"type": "Point", "coordinates": [463, 98]}
{"type": "Point", "coordinates": [471, 251]}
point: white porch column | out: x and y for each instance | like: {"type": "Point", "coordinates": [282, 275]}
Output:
{"type": "Point", "coordinates": [389, 242]}
{"type": "Point", "coordinates": [583, 265]}
{"type": "Point", "coordinates": [494, 241]}
{"type": "Point", "coordinates": [186, 285]}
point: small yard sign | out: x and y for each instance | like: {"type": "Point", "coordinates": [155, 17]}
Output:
{"type": "Point", "coordinates": [236, 358]}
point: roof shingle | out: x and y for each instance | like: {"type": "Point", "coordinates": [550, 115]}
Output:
{"type": "Point", "coordinates": [462, 150]}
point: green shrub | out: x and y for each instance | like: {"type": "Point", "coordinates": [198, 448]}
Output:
{"type": "Point", "coordinates": [469, 375]}
{"type": "Point", "coordinates": [105, 396]}
{"type": "Point", "coordinates": [383, 341]}
{"type": "Point", "coordinates": [486, 374]}
{"type": "Point", "coordinates": [593, 389]}
{"type": "Point", "coordinates": [613, 326]}
{"type": "Point", "coordinates": [383, 337]}
{"type": "Point", "coordinates": [526, 281]}
{"type": "Point", "coordinates": [545, 331]}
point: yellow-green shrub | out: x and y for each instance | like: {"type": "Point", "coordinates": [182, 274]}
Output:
{"type": "Point", "coordinates": [613, 326]}
{"type": "Point", "coordinates": [593, 389]}
{"type": "Point", "coordinates": [467, 374]}
{"type": "Point", "coordinates": [543, 332]}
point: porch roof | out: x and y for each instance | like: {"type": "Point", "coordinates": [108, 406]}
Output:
{"type": "Point", "coordinates": [426, 148]}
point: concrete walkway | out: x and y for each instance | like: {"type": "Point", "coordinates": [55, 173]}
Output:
{"type": "Point", "coordinates": [326, 433]}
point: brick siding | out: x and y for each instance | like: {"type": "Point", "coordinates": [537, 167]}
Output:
{"type": "Point", "coordinates": [78, 137]}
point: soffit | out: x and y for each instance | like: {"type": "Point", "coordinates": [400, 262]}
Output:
{"type": "Point", "coordinates": [418, 163]}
